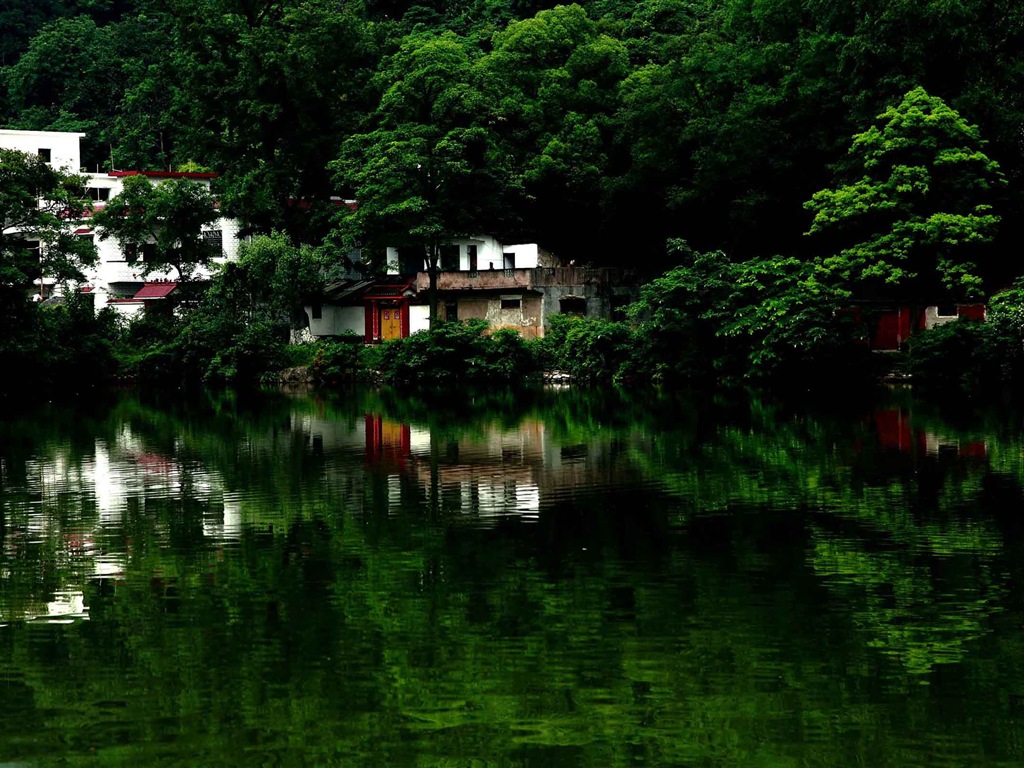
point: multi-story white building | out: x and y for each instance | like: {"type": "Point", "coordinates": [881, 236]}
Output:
{"type": "Point", "coordinates": [113, 281]}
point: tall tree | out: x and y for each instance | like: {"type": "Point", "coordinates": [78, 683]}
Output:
{"type": "Point", "coordinates": [558, 76]}
{"type": "Point", "coordinates": [39, 205]}
{"type": "Point", "coordinates": [429, 170]}
{"type": "Point", "coordinates": [914, 219]}
{"type": "Point", "coordinates": [39, 210]}
{"type": "Point", "coordinates": [269, 91]}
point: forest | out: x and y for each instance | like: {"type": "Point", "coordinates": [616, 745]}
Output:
{"type": "Point", "coordinates": [811, 151]}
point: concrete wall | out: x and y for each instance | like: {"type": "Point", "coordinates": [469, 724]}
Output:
{"type": "Point", "coordinates": [335, 321]}
{"type": "Point", "coordinates": [419, 317]}
{"type": "Point", "coordinates": [932, 318]}
{"type": "Point", "coordinates": [528, 255]}
{"type": "Point", "coordinates": [64, 147]}
{"type": "Point", "coordinates": [525, 318]}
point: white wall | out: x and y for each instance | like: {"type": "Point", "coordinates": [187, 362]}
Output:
{"type": "Point", "coordinates": [419, 317]}
{"type": "Point", "coordinates": [932, 317]}
{"type": "Point", "coordinates": [526, 255]}
{"type": "Point", "coordinates": [490, 254]}
{"type": "Point", "coordinates": [337, 320]}
{"type": "Point", "coordinates": [64, 147]}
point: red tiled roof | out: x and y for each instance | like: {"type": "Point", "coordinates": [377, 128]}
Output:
{"type": "Point", "coordinates": [155, 291]}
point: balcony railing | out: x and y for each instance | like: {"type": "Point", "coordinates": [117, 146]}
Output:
{"type": "Point", "coordinates": [537, 277]}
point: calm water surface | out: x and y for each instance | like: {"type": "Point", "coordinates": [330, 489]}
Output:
{"type": "Point", "coordinates": [550, 579]}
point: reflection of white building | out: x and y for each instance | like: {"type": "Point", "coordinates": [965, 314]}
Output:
{"type": "Point", "coordinates": [113, 281]}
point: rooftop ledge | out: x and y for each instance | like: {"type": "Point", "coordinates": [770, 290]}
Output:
{"type": "Point", "coordinates": [538, 277]}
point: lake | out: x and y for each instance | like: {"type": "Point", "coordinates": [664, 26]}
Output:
{"type": "Point", "coordinates": [547, 578]}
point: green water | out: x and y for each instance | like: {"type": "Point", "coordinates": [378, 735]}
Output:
{"type": "Point", "coordinates": [549, 579]}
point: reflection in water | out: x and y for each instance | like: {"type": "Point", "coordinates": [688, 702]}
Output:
{"type": "Point", "coordinates": [566, 579]}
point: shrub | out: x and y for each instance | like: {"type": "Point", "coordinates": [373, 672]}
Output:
{"type": "Point", "coordinates": [337, 360]}
{"type": "Point", "coordinates": [589, 349]}
{"type": "Point", "coordinates": [455, 352]}
{"type": "Point", "coordinates": [962, 355]}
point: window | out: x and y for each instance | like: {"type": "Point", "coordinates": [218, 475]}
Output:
{"type": "Point", "coordinates": [946, 310]}
{"type": "Point", "coordinates": [511, 302]}
{"type": "Point", "coordinates": [449, 258]}
{"type": "Point", "coordinates": [510, 260]}
{"type": "Point", "coordinates": [98, 194]}
{"type": "Point", "coordinates": [318, 311]}
{"type": "Point", "coordinates": [451, 310]}
{"type": "Point", "coordinates": [471, 254]}
{"type": "Point", "coordinates": [618, 306]}
{"type": "Point", "coordinates": [30, 245]}
{"type": "Point", "coordinates": [213, 239]}
{"type": "Point", "coordinates": [146, 252]}
{"type": "Point", "coordinates": [573, 305]}
{"type": "Point", "coordinates": [44, 154]}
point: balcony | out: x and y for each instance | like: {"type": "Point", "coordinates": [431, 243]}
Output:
{"type": "Point", "coordinates": [524, 279]}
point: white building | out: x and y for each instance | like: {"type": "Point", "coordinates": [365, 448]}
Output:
{"type": "Point", "coordinates": [480, 253]}
{"type": "Point", "coordinates": [113, 281]}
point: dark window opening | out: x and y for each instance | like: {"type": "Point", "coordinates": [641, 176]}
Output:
{"type": "Point", "coordinates": [318, 311]}
{"type": "Point", "coordinates": [449, 258]}
{"type": "Point", "coordinates": [573, 305]}
{"type": "Point", "coordinates": [410, 260]}
{"type": "Point", "coordinates": [98, 194]}
{"type": "Point", "coordinates": [451, 310]}
{"type": "Point", "coordinates": [471, 254]}
{"type": "Point", "coordinates": [511, 302]}
{"type": "Point", "coordinates": [618, 307]}
{"type": "Point", "coordinates": [44, 154]}
{"type": "Point", "coordinates": [30, 245]}
{"type": "Point", "coordinates": [946, 310]}
{"type": "Point", "coordinates": [149, 253]}
{"type": "Point", "coordinates": [510, 260]}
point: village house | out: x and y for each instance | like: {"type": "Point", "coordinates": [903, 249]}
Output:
{"type": "Point", "coordinates": [113, 281]}
{"type": "Point", "coordinates": [518, 286]}
{"type": "Point", "coordinates": [893, 325]}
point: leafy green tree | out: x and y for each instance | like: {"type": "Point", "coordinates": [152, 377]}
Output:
{"type": "Point", "coordinates": [20, 20]}
{"type": "Point", "coordinates": [39, 209]}
{"type": "Point", "coordinates": [557, 77]}
{"type": "Point", "coordinates": [766, 319]}
{"type": "Point", "coordinates": [160, 224]}
{"type": "Point", "coordinates": [40, 205]}
{"type": "Point", "coordinates": [270, 281]}
{"type": "Point", "coordinates": [111, 82]}
{"type": "Point", "coordinates": [916, 219]}
{"type": "Point", "coordinates": [429, 170]}
{"type": "Point", "coordinates": [266, 92]}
